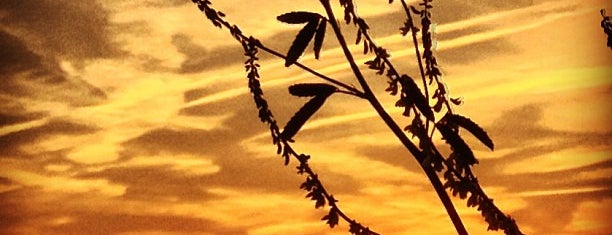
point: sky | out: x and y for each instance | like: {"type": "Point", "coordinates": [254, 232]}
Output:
{"type": "Point", "coordinates": [133, 117]}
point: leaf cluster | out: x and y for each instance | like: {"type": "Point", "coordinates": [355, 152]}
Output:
{"type": "Point", "coordinates": [315, 28]}
{"type": "Point", "coordinates": [319, 93]}
{"type": "Point", "coordinates": [606, 24]}
{"type": "Point", "coordinates": [459, 179]}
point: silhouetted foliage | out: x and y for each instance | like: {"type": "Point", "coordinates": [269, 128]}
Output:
{"type": "Point", "coordinates": [606, 24]}
{"type": "Point", "coordinates": [469, 125]}
{"type": "Point", "coordinates": [315, 23]}
{"type": "Point", "coordinates": [311, 89]}
{"type": "Point", "coordinates": [455, 168]}
{"type": "Point", "coordinates": [301, 116]}
{"type": "Point", "coordinates": [319, 37]}
{"type": "Point", "coordinates": [411, 95]}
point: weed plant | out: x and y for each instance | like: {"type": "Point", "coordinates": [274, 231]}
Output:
{"type": "Point", "coordinates": [451, 174]}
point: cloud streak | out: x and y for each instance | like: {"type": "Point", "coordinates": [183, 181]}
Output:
{"type": "Point", "coordinates": [130, 118]}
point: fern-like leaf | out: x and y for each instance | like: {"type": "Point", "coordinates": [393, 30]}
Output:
{"type": "Point", "coordinates": [301, 41]}
{"type": "Point", "coordinates": [311, 89]}
{"type": "Point", "coordinates": [472, 127]}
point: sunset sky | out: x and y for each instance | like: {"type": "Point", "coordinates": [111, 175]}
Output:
{"type": "Point", "coordinates": [133, 117]}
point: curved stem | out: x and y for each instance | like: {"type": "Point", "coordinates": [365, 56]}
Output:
{"type": "Point", "coordinates": [431, 174]}
{"type": "Point", "coordinates": [416, 46]}
{"type": "Point", "coordinates": [356, 92]}
{"type": "Point", "coordinates": [423, 78]}
{"type": "Point", "coordinates": [236, 33]}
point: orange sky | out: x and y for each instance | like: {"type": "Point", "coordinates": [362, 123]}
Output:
{"type": "Point", "coordinates": [133, 117]}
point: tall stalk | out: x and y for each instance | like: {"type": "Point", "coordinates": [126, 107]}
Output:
{"type": "Point", "coordinates": [399, 133]}
{"type": "Point", "coordinates": [458, 176]}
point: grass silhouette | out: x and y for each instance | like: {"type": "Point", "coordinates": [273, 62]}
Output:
{"type": "Point", "coordinates": [452, 172]}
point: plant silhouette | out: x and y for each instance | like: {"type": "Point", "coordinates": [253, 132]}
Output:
{"type": "Point", "coordinates": [606, 24]}
{"type": "Point", "coordinates": [455, 169]}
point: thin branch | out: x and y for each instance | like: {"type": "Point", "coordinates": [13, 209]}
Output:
{"type": "Point", "coordinates": [237, 33]}
{"type": "Point", "coordinates": [250, 46]}
{"type": "Point", "coordinates": [430, 172]}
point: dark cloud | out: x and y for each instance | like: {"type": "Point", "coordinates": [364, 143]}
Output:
{"type": "Point", "coordinates": [156, 183]}
{"type": "Point", "coordinates": [392, 155]}
{"type": "Point", "coordinates": [100, 223]}
{"type": "Point", "coordinates": [496, 5]}
{"type": "Point", "coordinates": [238, 167]}
{"type": "Point", "coordinates": [512, 131]}
{"type": "Point", "coordinates": [522, 126]}
{"type": "Point", "coordinates": [545, 179]}
{"type": "Point", "coordinates": [552, 180]}
{"type": "Point", "coordinates": [16, 57]}
{"type": "Point", "coordinates": [199, 58]}
{"type": "Point", "coordinates": [36, 35]}
{"type": "Point", "coordinates": [10, 144]}
{"type": "Point", "coordinates": [12, 118]}
{"type": "Point", "coordinates": [27, 74]}
{"type": "Point", "coordinates": [13, 214]}
{"type": "Point", "coordinates": [474, 52]}
{"type": "Point", "coordinates": [181, 141]}
{"type": "Point", "coordinates": [166, 3]}
{"type": "Point", "coordinates": [27, 209]}
{"type": "Point", "coordinates": [5, 181]}
{"type": "Point", "coordinates": [70, 29]}
{"type": "Point", "coordinates": [557, 210]}
{"type": "Point", "coordinates": [282, 104]}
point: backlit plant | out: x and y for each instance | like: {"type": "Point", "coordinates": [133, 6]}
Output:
{"type": "Point", "coordinates": [452, 172]}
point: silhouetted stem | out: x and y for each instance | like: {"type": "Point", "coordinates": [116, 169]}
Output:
{"type": "Point", "coordinates": [416, 48]}
{"type": "Point", "coordinates": [354, 91]}
{"type": "Point", "coordinates": [420, 157]}
{"type": "Point", "coordinates": [235, 32]}
{"type": "Point", "coordinates": [330, 199]}
{"type": "Point", "coordinates": [249, 43]}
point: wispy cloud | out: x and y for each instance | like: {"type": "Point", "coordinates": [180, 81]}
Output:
{"type": "Point", "coordinates": [146, 124]}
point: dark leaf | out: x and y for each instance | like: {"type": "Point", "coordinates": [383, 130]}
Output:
{"type": "Point", "coordinates": [415, 11]}
{"type": "Point", "coordinates": [464, 152]}
{"type": "Point", "coordinates": [317, 195]}
{"type": "Point", "coordinates": [301, 41]}
{"type": "Point", "coordinates": [319, 36]}
{"type": "Point", "coordinates": [414, 95]}
{"type": "Point", "coordinates": [457, 101]}
{"type": "Point", "coordinates": [286, 155]}
{"type": "Point", "coordinates": [311, 89]}
{"type": "Point", "coordinates": [355, 228]}
{"type": "Point", "coordinates": [472, 127]}
{"type": "Point", "coordinates": [347, 15]}
{"type": "Point", "coordinates": [449, 184]}
{"type": "Point", "coordinates": [472, 201]}
{"type": "Point", "coordinates": [298, 17]}
{"type": "Point", "coordinates": [309, 184]}
{"type": "Point", "coordinates": [438, 106]}
{"type": "Point", "coordinates": [320, 201]}
{"type": "Point", "coordinates": [301, 116]}
{"type": "Point", "coordinates": [362, 24]}
{"type": "Point", "coordinates": [332, 217]}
